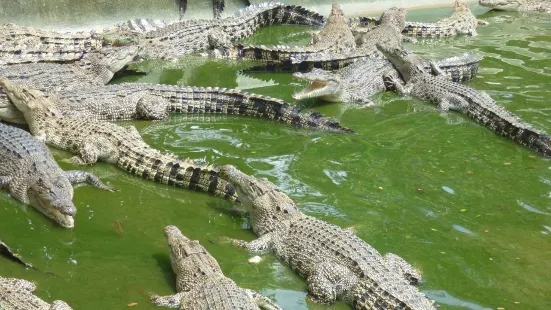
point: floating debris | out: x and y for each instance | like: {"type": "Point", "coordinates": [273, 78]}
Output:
{"type": "Point", "coordinates": [448, 190]}
{"type": "Point", "coordinates": [132, 304]}
{"type": "Point", "coordinates": [255, 259]}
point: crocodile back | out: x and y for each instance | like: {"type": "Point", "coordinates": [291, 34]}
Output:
{"type": "Point", "coordinates": [218, 292]}
{"type": "Point", "coordinates": [309, 242]}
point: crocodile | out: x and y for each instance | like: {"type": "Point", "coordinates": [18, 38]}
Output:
{"type": "Point", "coordinates": [447, 95]}
{"type": "Point", "coordinates": [181, 38]}
{"type": "Point", "coordinates": [200, 282]}
{"type": "Point", "coordinates": [95, 68]}
{"type": "Point", "coordinates": [462, 21]}
{"type": "Point", "coordinates": [334, 261]}
{"type": "Point", "coordinates": [32, 176]}
{"type": "Point", "coordinates": [130, 101]}
{"type": "Point", "coordinates": [9, 254]}
{"type": "Point", "coordinates": [92, 140]}
{"type": "Point", "coordinates": [518, 5]}
{"type": "Point", "coordinates": [17, 294]}
{"type": "Point", "coordinates": [279, 58]}
{"type": "Point", "coordinates": [362, 79]}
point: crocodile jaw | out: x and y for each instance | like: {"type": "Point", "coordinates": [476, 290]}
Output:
{"type": "Point", "coordinates": [321, 86]}
{"type": "Point", "coordinates": [56, 211]}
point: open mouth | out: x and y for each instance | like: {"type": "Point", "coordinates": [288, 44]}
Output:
{"type": "Point", "coordinates": [315, 89]}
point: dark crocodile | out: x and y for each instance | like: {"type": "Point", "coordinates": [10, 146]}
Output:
{"type": "Point", "coordinates": [30, 173]}
{"type": "Point", "coordinates": [92, 140]}
{"type": "Point", "coordinates": [129, 101]}
{"type": "Point", "coordinates": [518, 5]}
{"type": "Point", "coordinates": [17, 294]}
{"type": "Point", "coordinates": [334, 261]}
{"type": "Point", "coordinates": [447, 95]}
{"type": "Point", "coordinates": [9, 254]}
{"type": "Point", "coordinates": [95, 68]}
{"type": "Point", "coordinates": [362, 79]}
{"type": "Point", "coordinates": [200, 282]}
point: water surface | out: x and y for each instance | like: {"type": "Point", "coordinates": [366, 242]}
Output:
{"type": "Point", "coordinates": [470, 209]}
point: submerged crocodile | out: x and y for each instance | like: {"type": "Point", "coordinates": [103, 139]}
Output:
{"type": "Point", "coordinates": [334, 261]}
{"type": "Point", "coordinates": [129, 101]}
{"type": "Point", "coordinates": [9, 254]}
{"type": "Point", "coordinates": [17, 294]}
{"type": "Point", "coordinates": [181, 38]}
{"type": "Point", "coordinates": [32, 176]}
{"type": "Point", "coordinates": [95, 68]}
{"type": "Point", "coordinates": [518, 5]}
{"type": "Point", "coordinates": [364, 78]}
{"type": "Point", "coordinates": [478, 105]}
{"type": "Point", "coordinates": [392, 22]}
{"type": "Point", "coordinates": [462, 21]}
{"type": "Point", "coordinates": [92, 140]}
{"type": "Point", "coordinates": [200, 282]}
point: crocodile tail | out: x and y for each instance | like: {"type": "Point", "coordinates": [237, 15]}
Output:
{"type": "Point", "coordinates": [234, 102]}
{"type": "Point", "coordinates": [426, 30]}
{"type": "Point", "coordinates": [285, 14]}
{"type": "Point", "coordinates": [504, 123]}
{"type": "Point", "coordinates": [171, 170]}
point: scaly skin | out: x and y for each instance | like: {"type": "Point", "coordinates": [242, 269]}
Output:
{"type": "Point", "coordinates": [17, 294]}
{"type": "Point", "coordinates": [181, 38]}
{"type": "Point", "coordinates": [30, 173]}
{"type": "Point", "coordinates": [200, 282]}
{"type": "Point", "coordinates": [130, 101]}
{"type": "Point", "coordinates": [334, 262]}
{"type": "Point", "coordinates": [91, 140]}
{"type": "Point", "coordinates": [361, 80]}
{"type": "Point", "coordinates": [392, 22]}
{"type": "Point", "coordinates": [476, 104]}
{"type": "Point", "coordinates": [518, 5]}
{"type": "Point", "coordinates": [95, 68]}
{"type": "Point", "coordinates": [462, 21]}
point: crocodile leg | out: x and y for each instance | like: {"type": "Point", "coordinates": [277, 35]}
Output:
{"type": "Point", "coordinates": [400, 88]}
{"type": "Point", "coordinates": [436, 70]}
{"type": "Point", "coordinates": [78, 176]}
{"type": "Point", "coordinates": [263, 302]}
{"type": "Point", "coordinates": [95, 147]}
{"type": "Point", "coordinates": [150, 107]}
{"type": "Point", "coordinates": [453, 102]}
{"type": "Point", "coordinates": [259, 245]}
{"type": "Point", "coordinates": [5, 181]}
{"type": "Point", "coordinates": [328, 281]}
{"type": "Point", "coordinates": [170, 301]}
{"type": "Point", "coordinates": [400, 266]}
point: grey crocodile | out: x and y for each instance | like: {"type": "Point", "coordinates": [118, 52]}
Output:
{"type": "Point", "coordinates": [95, 68]}
{"type": "Point", "coordinates": [518, 5]}
{"type": "Point", "coordinates": [362, 79]}
{"type": "Point", "coordinates": [30, 173]}
{"type": "Point", "coordinates": [130, 101]}
{"type": "Point", "coordinates": [462, 21]}
{"type": "Point", "coordinates": [92, 140]}
{"type": "Point", "coordinates": [478, 105]}
{"type": "Point", "coordinates": [200, 282]}
{"type": "Point", "coordinates": [17, 294]}
{"type": "Point", "coordinates": [181, 38]}
{"type": "Point", "coordinates": [287, 59]}
{"type": "Point", "coordinates": [334, 261]}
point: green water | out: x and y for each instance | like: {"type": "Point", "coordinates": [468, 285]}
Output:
{"type": "Point", "coordinates": [470, 209]}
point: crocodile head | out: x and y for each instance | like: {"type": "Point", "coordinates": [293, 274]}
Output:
{"type": "Point", "coordinates": [408, 64]}
{"type": "Point", "coordinates": [107, 61]}
{"type": "Point", "coordinates": [323, 84]}
{"type": "Point", "coordinates": [54, 198]}
{"type": "Point", "coordinates": [187, 257]}
{"type": "Point", "coordinates": [394, 16]}
{"type": "Point", "coordinates": [504, 5]}
{"type": "Point", "coordinates": [270, 209]}
{"type": "Point", "coordinates": [27, 99]}
{"type": "Point", "coordinates": [461, 6]}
